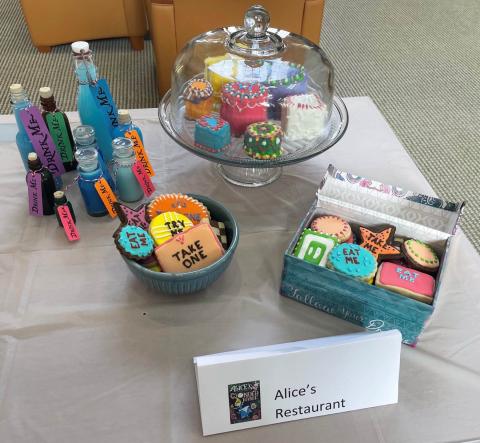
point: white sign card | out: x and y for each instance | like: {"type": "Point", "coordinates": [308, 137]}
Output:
{"type": "Point", "coordinates": [291, 381]}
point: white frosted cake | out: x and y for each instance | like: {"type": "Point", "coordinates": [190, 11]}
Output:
{"type": "Point", "coordinates": [304, 117]}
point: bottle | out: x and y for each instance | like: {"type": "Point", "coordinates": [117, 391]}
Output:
{"type": "Point", "coordinates": [90, 114]}
{"type": "Point", "coordinates": [59, 128]}
{"type": "Point", "coordinates": [61, 199]}
{"type": "Point", "coordinates": [20, 101]}
{"type": "Point", "coordinates": [84, 136]}
{"type": "Point", "coordinates": [48, 183]}
{"type": "Point", "coordinates": [128, 188]}
{"type": "Point", "coordinates": [89, 173]}
{"type": "Point", "coordinates": [125, 124]}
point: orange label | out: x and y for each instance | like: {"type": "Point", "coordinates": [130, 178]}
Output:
{"type": "Point", "coordinates": [140, 151]}
{"type": "Point", "coordinates": [106, 194]}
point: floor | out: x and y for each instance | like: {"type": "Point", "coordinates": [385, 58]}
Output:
{"type": "Point", "coordinates": [419, 61]}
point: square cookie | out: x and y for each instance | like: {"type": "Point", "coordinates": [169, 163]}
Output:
{"type": "Point", "coordinates": [314, 247]}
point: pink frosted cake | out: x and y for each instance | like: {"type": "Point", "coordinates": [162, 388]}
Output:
{"type": "Point", "coordinates": [243, 104]}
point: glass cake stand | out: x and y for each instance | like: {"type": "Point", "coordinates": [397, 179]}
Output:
{"type": "Point", "coordinates": [237, 167]}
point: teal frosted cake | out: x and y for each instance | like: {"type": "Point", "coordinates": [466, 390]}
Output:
{"type": "Point", "coordinates": [212, 133]}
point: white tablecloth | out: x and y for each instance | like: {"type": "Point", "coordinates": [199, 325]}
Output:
{"type": "Point", "coordinates": [88, 354]}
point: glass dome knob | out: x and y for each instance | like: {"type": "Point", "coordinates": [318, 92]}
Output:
{"type": "Point", "coordinates": [256, 21]}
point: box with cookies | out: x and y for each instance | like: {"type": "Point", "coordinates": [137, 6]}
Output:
{"type": "Point", "coordinates": [371, 253]}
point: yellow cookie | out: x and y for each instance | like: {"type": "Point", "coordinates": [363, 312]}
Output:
{"type": "Point", "coordinates": [168, 224]}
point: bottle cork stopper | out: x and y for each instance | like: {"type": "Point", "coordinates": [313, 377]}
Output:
{"type": "Point", "coordinates": [58, 195]}
{"type": "Point", "coordinates": [78, 47]}
{"type": "Point", "coordinates": [45, 92]}
{"type": "Point", "coordinates": [16, 88]}
{"type": "Point", "coordinates": [32, 156]}
{"type": "Point", "coordinates": [124, 116]}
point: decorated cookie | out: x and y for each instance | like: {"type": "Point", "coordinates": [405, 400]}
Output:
{"type": "Point", "coordinates": [379, 242]}
{"type": "Point", "coordinates": [168, 224]}
{"type": "Point", "coordinates": [420, 255]}
{"type": "Point", "coordinates": [333, 226]}
{"type": "Point", "coordinates": [134, 242]}
{"type": "Point", "coordinates": [129, 216]}
{"type": "Point", "coordinates": [183, 204]}
{"type": "Point", "coordinates": [314, 247]}
{"type": "Point", "coordinates": [406, 281]}
{"type": "Point", "coordinates": [220, 232]}
{"type": "Point", "coordinates": [194, 249]}
{"type": "Point", "coordinates": [212, 133]}
{"type": "Point", "coordinates": [353, 260]}
{"type": "Point", "coordinates": [263, 140]}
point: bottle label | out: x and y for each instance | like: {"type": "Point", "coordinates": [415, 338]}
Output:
{"type": "Point", "coordinates": [41, 140]}
{"type": "Point", "coordinates": [106, 194]}
{"type": "Point", "coordinates": [140, 151]}
{"type": "Point", "coordinates": [143, 178]}
{"type": "Point", "coordinates": [68, 224]}
{"type": "Point", "coordinates": [35, 202]}
{"type": "Point", "coordinates": [104, 101]}
{"type": "Point", "coordinates": [59, 132]}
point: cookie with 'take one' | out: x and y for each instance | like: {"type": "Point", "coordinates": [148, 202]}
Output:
{"type": "Point", "coordinates": [192, 250]}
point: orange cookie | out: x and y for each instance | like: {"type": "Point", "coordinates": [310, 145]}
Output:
{"type": "Point", "coordinates": [183, 204]}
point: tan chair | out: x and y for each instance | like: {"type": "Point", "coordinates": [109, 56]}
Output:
{"type": "Point", "coordinates": [173, 23]}
{"type": "Point", "coordinates": [54, 22]}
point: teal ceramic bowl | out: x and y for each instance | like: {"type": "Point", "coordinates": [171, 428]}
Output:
{"type": "Point", "coordinates": [188, 282]}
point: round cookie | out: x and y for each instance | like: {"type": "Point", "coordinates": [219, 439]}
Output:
{"type": "Point", "coordinates": [354, 261]}
{"type": "Point", "coordinates": [180, 203]}
{"type": "Point", "coordinates": [134, 242]}
{"type": "Point", "coordinates": [420, 256]}
{"type": "Point", "coordinates": [168, 224]}
{"type": "Point", "coordinates": [334, 226]}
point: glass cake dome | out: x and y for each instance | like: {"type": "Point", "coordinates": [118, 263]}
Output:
{"type": "Point", "coordinates": [253, 99]}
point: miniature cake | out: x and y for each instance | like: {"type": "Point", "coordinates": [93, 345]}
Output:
{"type": "Point", "coordinates": [263, 140]}
{"type": "Point", "coordinates": [304, 117]}
{"type": "Point", "coordinates": [406, 281]}
{"type": "Point", "coordinates": [314, 247]}
{"type": "Point", "coordinates": [354, 261]}
{"type": "Point", "coordinates": [242, 104]}
{"type": "Point", "coordinates": [212, 133]}
{"type": "Point", "coordinates": [198, 97]}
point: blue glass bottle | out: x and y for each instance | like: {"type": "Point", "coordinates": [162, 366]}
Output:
{"type": "Point", "coordinates": [128, 188]}
{"type": "Point", "coordinates": [20, 101]}
{"type": "Point", "coordinates": [90, 114]}
{"type": "Point", "coordinates": [84, 136]}
{"type": "Point", "coordinates": [89, 173]}
{"type": "Point", "coordinates": [125, 124]}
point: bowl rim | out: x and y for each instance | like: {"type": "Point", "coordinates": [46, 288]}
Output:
{"type": "Point", "coordinates": [199, 272]}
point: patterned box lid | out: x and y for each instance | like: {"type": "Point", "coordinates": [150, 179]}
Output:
{"type": "Point", "coordinates": [363, 194]}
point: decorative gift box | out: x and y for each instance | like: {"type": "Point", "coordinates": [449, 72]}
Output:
{"type": "Point", "coordinates": [365, 202]}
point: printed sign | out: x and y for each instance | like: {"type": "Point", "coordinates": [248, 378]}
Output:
{"type": "Point", "coordinates": [35, 202]}
{"type": "Point", "coordinates": [68, 224]}
{"type": "Point", "coordinates": [143, 178]}
{"type": "Point", "coordinates": [104, 100]}
{"type": "Point", "coordinates": [106, 194]}
{"type": "Point", "coordinates": [59, 132]}
{"type": "Point", "coordinates": [140, 151]}
{"type": "Point", "coordinates": [42, 142]}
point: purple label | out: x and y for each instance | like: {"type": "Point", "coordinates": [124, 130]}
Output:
{"type": "Point", "coordinates": [41, 140]}
{"type": "Point", "coordinates": [35, 203]}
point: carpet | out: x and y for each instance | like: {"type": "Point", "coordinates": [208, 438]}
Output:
{"type": "Point", "coordinates": [419, 61]}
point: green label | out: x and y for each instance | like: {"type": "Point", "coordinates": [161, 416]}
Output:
{"type": "Point", "coordinates": [58, 130]}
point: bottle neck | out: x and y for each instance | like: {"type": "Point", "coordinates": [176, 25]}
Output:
{"type": "Point", "coordinates": [35, 165]}
{"type": "Point", "coordinates": [20, 100]}
{"type": "Point", "coordinates": [124, 160]}
{"type": "Point", "coordinates": [85, 68]}
{"type": "Point", "coordinates": [48, 104]}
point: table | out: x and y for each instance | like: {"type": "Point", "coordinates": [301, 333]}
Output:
{"type": "Point", "coordinates": [88, 354]}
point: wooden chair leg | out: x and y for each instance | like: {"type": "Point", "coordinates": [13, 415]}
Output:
{"type": "Point", "coordinates": [44, 48]}
{"type": "Point", "coordinates": [137, 43]}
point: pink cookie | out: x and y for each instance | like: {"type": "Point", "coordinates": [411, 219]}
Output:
{"type": "Point", "coordinates": [406, 281]}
